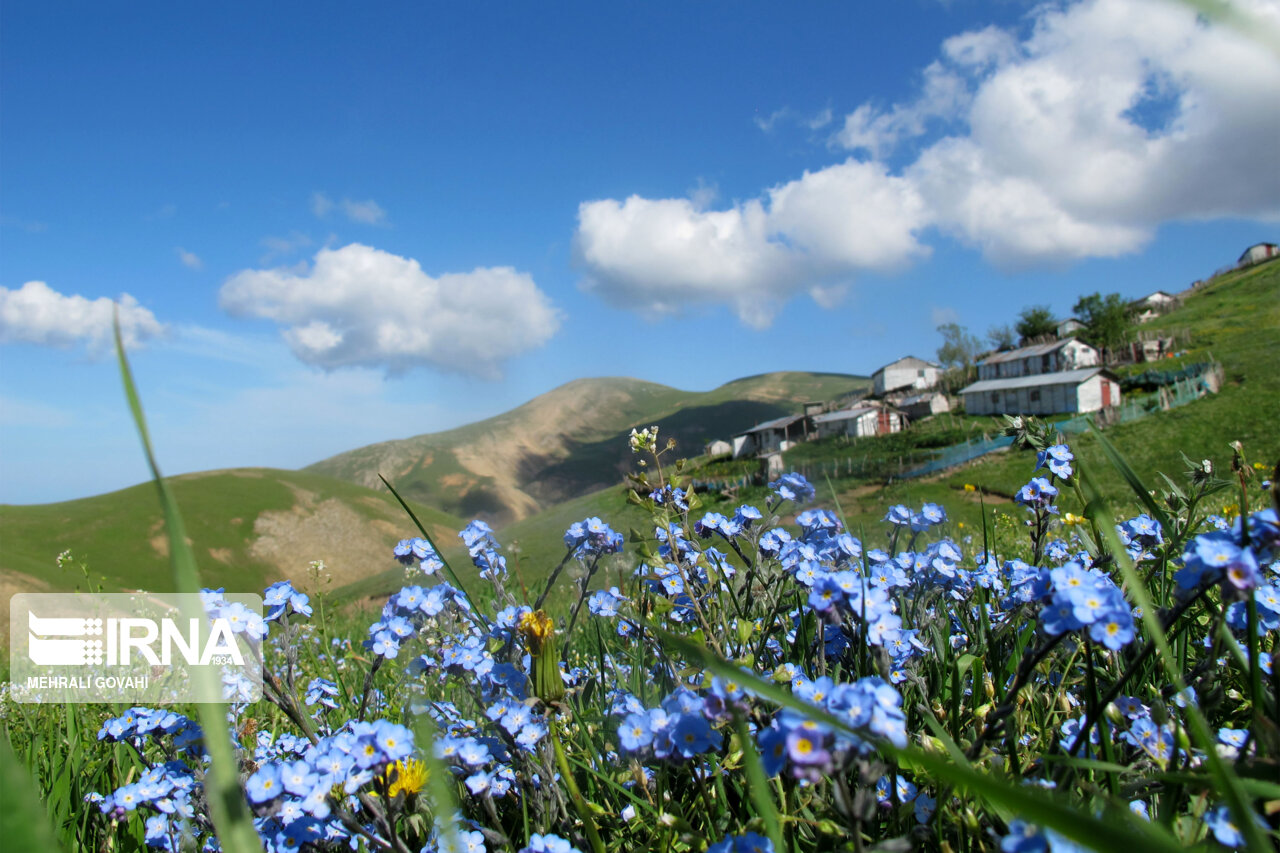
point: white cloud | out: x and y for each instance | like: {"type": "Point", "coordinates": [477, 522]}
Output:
{"type": "Point", "coordinates": [37, 314]}
{"type": "Point", "coordinates": [943, 98]}
{"type": "Point", "coordinates": [1075, 138]}
{"type": "Point", "coordinates": [981, 48]}
{"type": "Point", "coordinates": [364, 212]}
{"type": "Point", "coordinates": [766, 123]}
{"type": "Point", "coordinates": [817, 121]}
{"type": "Point", "coordinates": [190, 260]}
{"type": "Point", "coordinates": [361, 307]}
{"type": "Point", "coordinates": [284, 246]}
{"type": "Point", "coordinates": [1111, 117]}
{"type": "Point", "coordinates": [820, 119]}
{"type": "Point", "coordinates": [808, 235]}
{"type": "Point", "coordinates": [321, 204]}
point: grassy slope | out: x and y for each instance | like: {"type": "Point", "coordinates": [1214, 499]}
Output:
{"type": "Point", "coordinates": [120, 535]}
{"type": "Point", "coordinates": [570, 441]}
{"type": "Point", "coordinates": [1236, 320]}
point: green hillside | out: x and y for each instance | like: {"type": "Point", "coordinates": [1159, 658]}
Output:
{"type": "Point", "coordinates": [570, 441]}
{"type": "Point", "coordinates": [1235, 319]}
{"type": "Point", "coordinates": [249, 527]}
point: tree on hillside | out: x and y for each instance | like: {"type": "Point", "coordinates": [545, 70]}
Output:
{"type": "Point", "coordinates": [1036, 321]}
{"type": "Point", "coordinates": [1108, 319]}
{"type": "Point", "coordinates": [1002, 337]}
{"type": "Point", "coordinates": [959, 348]}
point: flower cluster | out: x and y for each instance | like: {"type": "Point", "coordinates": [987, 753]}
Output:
{"type": "Point", "coordinates": [592, 537]}
{"type": "Point", "coordinates": [871, 642]}
{"type": "Point", "coordinates": [418, 555]}
{"type": "Point", "coordinates": [676, 730]}
{"type": "Point", "coordinates": [810, 750]}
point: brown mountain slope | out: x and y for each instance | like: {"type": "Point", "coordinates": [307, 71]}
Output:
{"type": "Point", "coordinates": [569, 441]}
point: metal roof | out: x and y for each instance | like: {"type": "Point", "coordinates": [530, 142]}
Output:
{"type": "Point", "coordinates": [1026, 352]}
{"type": "Point", "coordinates": [776, 423]}
{"type": "Point", "coordinates": [844, 414]}
{"type": "Point", "coordinates": [908, 359]}
{"type": "Point", "coordinates": [917, 398]}
{"type": "Point", "coordinates": [1038, 380]}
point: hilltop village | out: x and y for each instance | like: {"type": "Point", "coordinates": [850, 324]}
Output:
{"type": "Point", "coordinates": [1047, 367]}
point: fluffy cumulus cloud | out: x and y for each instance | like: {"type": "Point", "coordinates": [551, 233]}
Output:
{"type": "Point", "coordinates": [1074, 136]}
{"type": "Point", "coordinates": [37, 314]}
{"type": "Point", "coordinates": [802, 236]}
{"type": "Point", "coordinates": [357, 306]}
{"type": "Point", "coordinates": [1106, 119]}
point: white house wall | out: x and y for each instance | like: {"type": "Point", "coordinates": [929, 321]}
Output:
{"type": "Point", "coordinates": [1050, 399]}
{"type": "Point", "coordinates": [897, 378]}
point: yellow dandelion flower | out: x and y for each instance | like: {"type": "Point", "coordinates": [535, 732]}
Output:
{"type": "Point", "coordinates": [405, 777]}
{"type": "Point", "coordinates": [970, 487]}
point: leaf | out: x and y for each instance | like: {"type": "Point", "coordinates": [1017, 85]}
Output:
{"type": "Point", "coordinates": [1131, 477]}
{"type": "Point", "coordinates": [227, 805]}
{"type": "Point", "coordinates": [758, 785]}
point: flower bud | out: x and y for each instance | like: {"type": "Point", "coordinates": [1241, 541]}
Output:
{"type": "Point", "coordinates": [539, 633]}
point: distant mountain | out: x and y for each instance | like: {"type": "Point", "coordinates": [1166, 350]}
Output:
{"type": "Point", "coordinates": [249, 527]}
{"type": "Point", "coordinates": [570, 441]}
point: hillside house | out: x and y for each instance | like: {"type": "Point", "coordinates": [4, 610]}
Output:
{"type": "Point", "coordinates": [772, 436]}
{"type": "Point", "coordinates": [1085, 390]}
{"type": "Point", "coordinates": [921, 406]}
{"type": "Point", "coordinates": [906, 372]}
{"type": "Point", "coordinates": [717, 448]}
{"type": "Point", "coordinates": [1257, 253]}
{"type": "Point", "coordinates": [1051, 357]}
{"type": "Point", "coordinates": [859, 422]}
{"type": "Point", "coordinates": [1069, 327]}
{"type": "Point", "coordinates": [1153, 305]}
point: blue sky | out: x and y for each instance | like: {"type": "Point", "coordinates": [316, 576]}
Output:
{"type": "Point", "coordinates": [333, 224]}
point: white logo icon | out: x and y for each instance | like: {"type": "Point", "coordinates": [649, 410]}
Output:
{"type": "Point", "coordinates": [48, 643]}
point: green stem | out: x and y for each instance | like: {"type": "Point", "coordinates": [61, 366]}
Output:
{"type": "Point", "coordinates": [575, 795]}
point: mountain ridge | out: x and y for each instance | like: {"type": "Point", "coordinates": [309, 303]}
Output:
{"type": "Point", "coordinates": [569, 440]}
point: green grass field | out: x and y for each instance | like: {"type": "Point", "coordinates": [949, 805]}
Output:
{"type": "Point", "coordinates": [121, 538]}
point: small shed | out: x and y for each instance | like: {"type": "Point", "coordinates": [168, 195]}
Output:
{"type": "Point", "coordinates": [719, 447]}
{"type": "Point", "coordinates": [921, 406]}
{"type": "Point", "coordinates": [859, 422]}
{"type": "Point", "coordinates": [1069, 327]}
{"type": "Point", "coordinates": [1153, 305]}
{"type": "Point", "coordinates": [1257, 253]}
{"type": "Point", "coordinates": [1051, 357]}
{"type": "Point", "coordinates": [772, 436]}
{"type": "Point", "coordinates": [906, 372]}
{"type": "Point", "coordinates": [1085, 390]}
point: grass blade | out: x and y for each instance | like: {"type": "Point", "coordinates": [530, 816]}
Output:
{"type": "Point", "coordinates": [758, 784]}
{"type": "Point", "coordinates": [453, 576]}
{"type": "Point", "coordinates": [227, 805]}
{"type": "Point", "coordinates": [1131, 477]}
